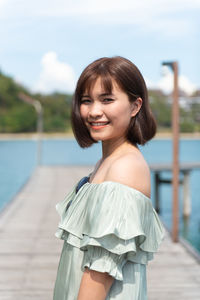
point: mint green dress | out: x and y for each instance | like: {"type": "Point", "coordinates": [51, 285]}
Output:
{"type": "Point", "coordinates": [107, 227]}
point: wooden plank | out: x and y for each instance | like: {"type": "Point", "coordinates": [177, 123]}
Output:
{"type": "Point", "coordinates": [29, 252]}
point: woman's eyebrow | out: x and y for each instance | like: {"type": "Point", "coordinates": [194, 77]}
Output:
{"type": "Point", "coordinates": [99, 96]}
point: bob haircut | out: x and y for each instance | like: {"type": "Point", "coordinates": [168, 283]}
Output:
{"type": "Point", "coordinates": [142, 127]}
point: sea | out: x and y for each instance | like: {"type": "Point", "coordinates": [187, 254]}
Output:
{"type": "Point", "coordinates": [18, 159]}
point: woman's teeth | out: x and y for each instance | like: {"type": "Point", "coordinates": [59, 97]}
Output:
{"type": "Point", "coordinates": [99, 124]}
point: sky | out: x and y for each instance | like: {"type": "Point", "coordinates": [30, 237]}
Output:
{"type": "Point", "coordinates": [45, 44]}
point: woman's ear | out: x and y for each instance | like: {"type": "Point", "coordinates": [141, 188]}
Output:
{"type": "Point", "coordinates": [136, 105]}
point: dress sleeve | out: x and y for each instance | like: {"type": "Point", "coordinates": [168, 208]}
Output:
{"type": "Point", "coordinates": [101, 260]}
{"type": "Point", "coordinates": [112, 223]}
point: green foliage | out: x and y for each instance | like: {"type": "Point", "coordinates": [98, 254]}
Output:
{"type": "Point", "coordinates": [8, 91]}
{"type": "Point", "coordinates": [17, 119]}
{"type": "Point", "coordinates": [195, 113]}
{"type": "Point", "coordinates": [190, 119]}
{"type": "Point", "coordinates": [161, 108]}
{"type": "Point", "coordinates": [186, 126]}
{"type": "Point", "coordinates": [17, 116]}
{"type": "Point", "coordinates": [57, 109]}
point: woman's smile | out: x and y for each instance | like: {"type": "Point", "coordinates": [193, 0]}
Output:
{"type": "Point", "coordinates": [98, 125]}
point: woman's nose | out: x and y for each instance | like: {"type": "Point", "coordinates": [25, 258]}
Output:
{"type": "Point", "coordinates": [95, 110]}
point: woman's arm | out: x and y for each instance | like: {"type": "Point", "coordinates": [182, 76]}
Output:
{"type": "Point", "coordinates": [94, 285]}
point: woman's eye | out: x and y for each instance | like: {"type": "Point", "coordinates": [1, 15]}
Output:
{"type": "Point", "coordinates": [108, 100]}
{"type": "Point", "coordinates": [85, 101]}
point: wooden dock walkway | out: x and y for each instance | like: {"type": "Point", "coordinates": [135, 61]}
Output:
{"type": "Point", "coordinates": [29, 252]}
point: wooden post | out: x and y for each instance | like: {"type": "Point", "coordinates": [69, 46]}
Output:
{"type": "Point", "coordinates": [157, 196]}
{"type": "Point", "coordinates": [186, 195]}
{"type": "Point", "coordinates": [175, 179]}
{"type": "Point", "coordinates": [39, 110]}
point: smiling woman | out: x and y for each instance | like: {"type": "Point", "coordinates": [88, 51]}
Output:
{"type": "Point", "coordinates": [109, 227]}
{"type": "Point", "coordinates": [113, 78]}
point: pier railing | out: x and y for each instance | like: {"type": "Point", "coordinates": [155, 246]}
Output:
{"type": "Point", "coordinates": [184, 169]}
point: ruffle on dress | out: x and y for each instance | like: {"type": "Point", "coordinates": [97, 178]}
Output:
{"type": "Point", "coordinates": [112, 223]}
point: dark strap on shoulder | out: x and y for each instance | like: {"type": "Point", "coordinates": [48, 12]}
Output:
{"type": "Point", "coordinates": [81, 183]}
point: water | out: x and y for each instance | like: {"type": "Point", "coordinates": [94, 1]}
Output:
{"type": "Point", "coordinates": [18, 160]}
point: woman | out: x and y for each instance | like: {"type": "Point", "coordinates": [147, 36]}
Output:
{"type": "Point", "coordinates": [109, 227]}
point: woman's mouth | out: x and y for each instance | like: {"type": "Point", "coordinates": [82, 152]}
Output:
{"type": "Point", "coordinates": [98, 125]}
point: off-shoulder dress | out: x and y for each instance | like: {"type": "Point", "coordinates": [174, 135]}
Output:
{"type": "Point", "coordinates": [107, 227]}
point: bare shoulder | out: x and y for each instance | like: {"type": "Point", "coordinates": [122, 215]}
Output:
{"type": "Point", "coordinates": [132, 170]}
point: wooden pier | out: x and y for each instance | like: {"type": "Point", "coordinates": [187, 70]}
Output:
{"type": "Point", "coordinates": [29, 252]}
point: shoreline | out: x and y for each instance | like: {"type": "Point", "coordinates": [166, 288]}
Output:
{"type": "Point", "coordinates": [57, 135]}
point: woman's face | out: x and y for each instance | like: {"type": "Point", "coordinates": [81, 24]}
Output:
{"type": "Point", "coordinates": [107, 116]}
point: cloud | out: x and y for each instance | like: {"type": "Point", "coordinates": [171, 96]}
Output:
{"type": "Point", "coordinates": [55, 75]}
{"type": "Point", "coordinates": [166, 83]}
{"type": "Point", "coordinates": [170, 19]}
{"type": "Point", "coordinates": [112, 11]}
{"type": "Point", "coordinates": [59, 76]}
{"type": "Point", "coordinates": [100, 7]}
{"type": "Point", "coordinates": [2, 3]}
{"type": "Point", "coordinates": [66, 8]}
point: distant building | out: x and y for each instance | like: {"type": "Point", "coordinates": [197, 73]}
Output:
{"type": "Point", "coordinates": [186, 102]}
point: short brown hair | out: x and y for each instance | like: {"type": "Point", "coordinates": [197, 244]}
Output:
{"type": "Point", "coordinates": [142, 127]}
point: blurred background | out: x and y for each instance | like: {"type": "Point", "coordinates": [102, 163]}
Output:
{"type": "Point", "coordinates": [44, 46]}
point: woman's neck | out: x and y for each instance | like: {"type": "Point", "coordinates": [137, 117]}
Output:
{"type": "Point", "coordinates": [114, 147]}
